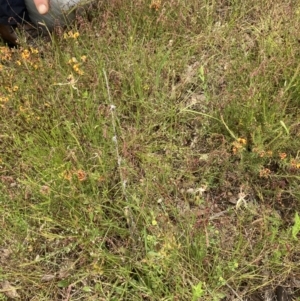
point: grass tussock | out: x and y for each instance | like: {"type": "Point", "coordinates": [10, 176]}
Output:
{"type": "Point", "coordinates": [151, 152]}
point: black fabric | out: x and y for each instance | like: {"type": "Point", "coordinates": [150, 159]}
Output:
{"type": "Point", "coordinates": [13, 12]}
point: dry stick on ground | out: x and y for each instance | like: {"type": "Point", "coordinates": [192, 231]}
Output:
{"type": "Point", "coordinates": [128, 214]}
{"type": "Point", "coordinates": [234, 292]}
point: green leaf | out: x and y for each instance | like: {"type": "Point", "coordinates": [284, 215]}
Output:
{"type": "Point", "coordinates": [87, 289]}
{"type": "Point", "coordinates": [63, 283]}
{"type": "Point", "coordinates": [198, 291]}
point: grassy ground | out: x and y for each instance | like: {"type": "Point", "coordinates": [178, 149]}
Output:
{"type": "Point", "coordinates": [155, 156]}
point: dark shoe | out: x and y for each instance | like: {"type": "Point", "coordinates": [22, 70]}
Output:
{"type": "Point", "coordinates": [31, 33]}
{"type": "Point", "coordinates": [8, 34]}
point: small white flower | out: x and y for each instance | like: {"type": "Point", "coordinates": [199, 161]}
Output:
{"type": "Point", "coordinates": [112, 107]}
{"type": "Point", "coordinates": [114, 139]}
{"type": "Point", "coordinates": [241, 200]}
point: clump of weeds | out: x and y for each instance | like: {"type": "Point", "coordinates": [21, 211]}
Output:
{"type": "Point", "coordinates": [151, 152]}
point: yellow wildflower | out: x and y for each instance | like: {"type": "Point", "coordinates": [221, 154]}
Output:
{"type": "Point", "coordinates": [33, 50]}
{"type": "Point", "coordinates": [3, 99]}
{"type": "Point", "coordinates": [77, 69]}
{"type": "Point", "coordinates": [72, 60]}
{"type": "Point", "coordinates": [238, 145]}
{"type": "Point", "coordinates": [5, 54]}
{"type": "Point", "coordinates": [80, 72]}
{"type": "Point", "coordinates": [71, 35]}
{"type": "Point", "coordinates": [8, 89]}
{"type": "Point", "coordinates": [242, 141]}
{"type": "Point", "coordinates": [76, 35]}
{"type": "Point", "coordinates": [295, 164]}
{"type": "Point", "coordinates": [25, 54]}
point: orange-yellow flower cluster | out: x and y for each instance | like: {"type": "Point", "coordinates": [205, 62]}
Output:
{"type": "Point", "coordinates": [76, 65]}
{"type": "Point", "coordinates": [295, 164]}
{"type": "Point", "coordinates": [80, 174]}
{"type": "Point", "coordinates": [5, 97]}
{"type": "Point", "coordinates": [29, 57]}
{"type": "Point", "coordinates": [27, 112]}
{"type": "Point", "coordinates": [264, 173]}
{"type": "Point", "coordinates": [71, 35]}
{"type": "Point", "coordinates": [262, 153]}
{"type": "Point", "coordinates": [155, 5]}
{"type": "Point", "coordinates": [21, 55]}
{"type": "Point", "coordinates": [5, 54]}
{"type": "Point", "coordinates": [238, 145]}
